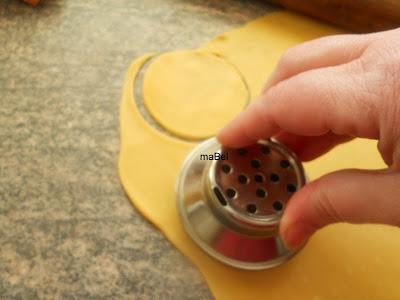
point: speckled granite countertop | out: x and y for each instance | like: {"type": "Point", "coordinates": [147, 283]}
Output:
{"type": "Point", "coordinates": [67, 230]}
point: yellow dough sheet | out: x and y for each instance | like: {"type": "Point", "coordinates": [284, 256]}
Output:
{"type": "Point", "coordinates": [195, 92]}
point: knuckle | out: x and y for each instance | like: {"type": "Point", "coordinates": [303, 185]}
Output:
{"type": "Point", "coordinates": [365, 90]}
{"type": "Point", "coordinates": [378, 87]}
{"type": "Point", "coordinates": [385, 65]}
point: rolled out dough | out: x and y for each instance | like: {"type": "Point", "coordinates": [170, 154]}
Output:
{"type": "Point", "coordinates": [341, 261]}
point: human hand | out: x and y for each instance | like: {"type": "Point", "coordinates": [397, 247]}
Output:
{"type": "Point", "coordinates": [323, 93]}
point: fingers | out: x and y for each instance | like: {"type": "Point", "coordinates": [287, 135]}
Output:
{"type": "Point", "coordinates": [353, 196]}
{"type": "Point", "coordinates": [323, 52]}
{"type": "Point", "coordinates": [309, 104]}
{"type": "Point", "coordinates": [319, 53]}
{"type": "Point", "coordinates": [249, 126]}
{"type": "Point", "coordinates": [307, 148]}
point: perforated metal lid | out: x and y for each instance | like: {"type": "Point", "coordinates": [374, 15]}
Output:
{"type": "Point", "coordinates": [238, 196]}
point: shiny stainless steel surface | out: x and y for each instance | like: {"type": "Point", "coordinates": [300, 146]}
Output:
{"type": "Point", "coordinates": [232, 208]}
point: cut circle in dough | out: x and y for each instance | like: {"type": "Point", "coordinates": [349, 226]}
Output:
{"type": "Point", "coordinates": [193, 93]}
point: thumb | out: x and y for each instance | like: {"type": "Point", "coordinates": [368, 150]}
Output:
{"type": "Point", "coordinates": [354, 196]}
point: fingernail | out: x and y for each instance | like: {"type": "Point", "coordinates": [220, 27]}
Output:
{"type": "Point", "coordinates": [296, 235]}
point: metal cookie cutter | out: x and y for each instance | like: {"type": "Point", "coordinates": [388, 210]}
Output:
{"type": "Point", "coordinates": [231, 201]}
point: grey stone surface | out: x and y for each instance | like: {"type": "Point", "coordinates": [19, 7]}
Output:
{"type": "Point", "coordinates": [67, 230]}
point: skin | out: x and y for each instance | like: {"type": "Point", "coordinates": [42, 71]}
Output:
{"type": "Point", "coordinates": [322, 93]}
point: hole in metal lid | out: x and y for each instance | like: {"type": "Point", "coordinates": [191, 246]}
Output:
{"type": "Point", "coordinates": [251, 208]}
{"type": "Point", "coordinates": [261, 193]}
{"type": "Point", "coordinates": [277, 205]}
{"type": "Point", "coordinates": [226, 168]}
{"type": "Point", "coordinates": [274, 177]}
{"type": "Point", "coordinates": [259, 178]}
{"type": "Point", "coordinates": [291, 188]}
{"type": "Point", "coordinates": [243, 179]}
{"type": "Point", "coordinates": [285, 164]}
{"type": "Point", "coordinates": [231, 193]}
{"type": "Point", "coordinates": [242, 151]}
{"type": "Point", "coordinates": [255, 163]}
